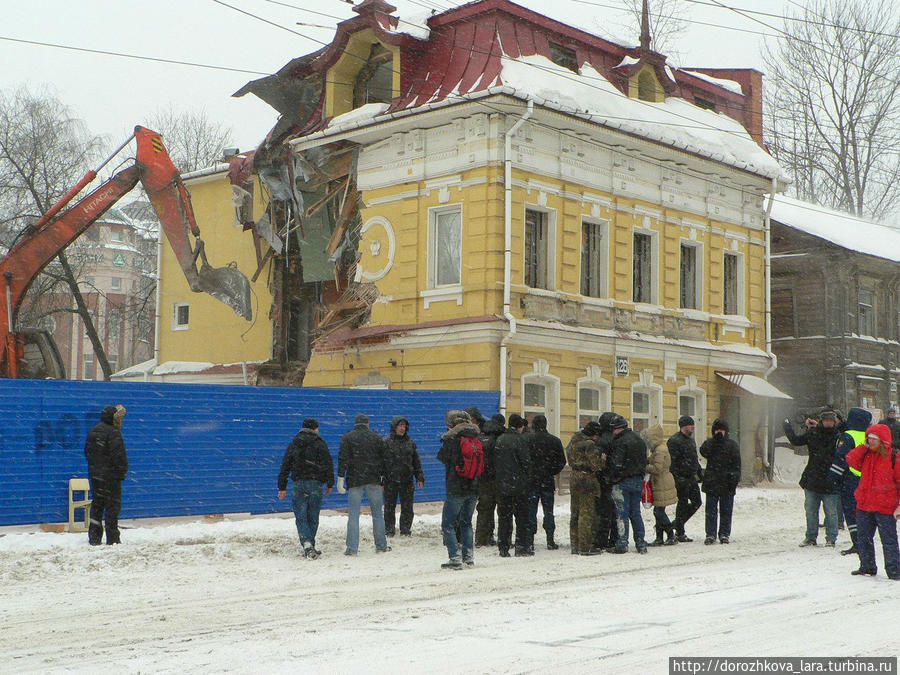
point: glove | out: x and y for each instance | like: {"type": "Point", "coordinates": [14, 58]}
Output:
{"type": "Point", "coordinates": [897, 513]}
{"type": "Point", "coordinates": [340, 485]}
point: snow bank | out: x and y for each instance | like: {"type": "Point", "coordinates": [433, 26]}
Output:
{"type": "Point", "coordinates": [358, 116]}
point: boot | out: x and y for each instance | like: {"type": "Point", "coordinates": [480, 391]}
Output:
{"type": "Point", "coordinates": [671, 539]}
{"type": "Point", "coordinates": [551, 545]}
{"type": "Point", "coordinates": [641, 546]}
{"type": "Point", "coordinates": [850, 551]}
{"type": "Point", "coordinates": [659, 537]}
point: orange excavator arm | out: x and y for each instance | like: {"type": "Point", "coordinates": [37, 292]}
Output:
{"type": "Point", "coordinates": [42, 242]}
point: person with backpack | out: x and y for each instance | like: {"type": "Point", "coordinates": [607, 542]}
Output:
{"type": "Point", "coordinates": [309, 464]}
{"type": "Point", "coordinates": [547, 459]}
{"type": "Point", "coordinates": [487, 486]}
{"type": "Point", "coordinates": [720, 481]}
{"type": "Point", "coordinates": [847, 480]}
{"type": "Point", "coordinates": [403, 474]}
{"type": "Point", "coordinates": [877, 499]}
{"type": "Point", "coordinates": [462, 455]}
{"type": "Point", "coordinates": [512, 464]}
{"type": "Point", "coordinates": [586, 462]}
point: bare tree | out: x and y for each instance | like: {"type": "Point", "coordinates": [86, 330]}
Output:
{"type": "Point", "coordinates": [44, 151]}
{"type": "Point", "coordinates": [193, 140]}
{"type": "Point", "coordinates": [833, 104]}
{"type": "Point", "coordinates": [668, 22]}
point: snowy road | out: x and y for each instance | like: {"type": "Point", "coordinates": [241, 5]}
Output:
{"type": "Point", "coordinates": [235, 596]}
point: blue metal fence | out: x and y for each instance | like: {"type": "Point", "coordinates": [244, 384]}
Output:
{"type": "Point", "coordinates": [194, 449]}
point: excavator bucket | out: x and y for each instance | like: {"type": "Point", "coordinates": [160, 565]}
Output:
{"type": "Point", "coordinates": [229, 285]}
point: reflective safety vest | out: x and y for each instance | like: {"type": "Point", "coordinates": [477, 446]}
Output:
{"type": "Point", "coordinates": [859, 437]}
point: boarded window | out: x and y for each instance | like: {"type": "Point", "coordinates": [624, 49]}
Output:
{"type": "Point", "coordinates": [536, 243]}
{"type": "Point", "coordinates": [642, 268]}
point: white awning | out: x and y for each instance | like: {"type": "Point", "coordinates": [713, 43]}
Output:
{"type": "Point", "coordinates": [753, 385]}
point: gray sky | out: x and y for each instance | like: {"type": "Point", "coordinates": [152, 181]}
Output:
{"type": "Point", "coordinates": [112, 94]}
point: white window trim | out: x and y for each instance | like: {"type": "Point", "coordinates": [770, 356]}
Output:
{"type": "Point", "coordinates": [699, 395]}
{"type": "Point", "coordinates": [592, 381]}
{"type": "Point", "coordinates": [698, 274]}
{"type": "Point", "coordinates": [541, 375]}
{"type": "Point", "coordinates": [741, 307]}
{"type": "Point", "coordinates": [175, 324]}
{"type": "Point", "coordinates": [433, 213]}
{"type": "Point", "coordinates": [654, 264]}
{"type": "Point", "coordinates": [551, 245]}
{"type": "Point", "coordinates": [604, 257]}
{"type": "Point", "coordinates": [656, 395]}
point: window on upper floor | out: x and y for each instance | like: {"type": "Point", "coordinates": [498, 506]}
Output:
{"type": "Point", "coordinates": [537, 248]}
{"type": "Point", "coordinates": [445, 246]}
{"type": "Point", "coordinates": [690, 276]}
{"type": "Point", "coordinates": [563, 56]}
{"type": "Point", "coordinates": [703, 103]}
{"type": "Point", "coordinates": [115, 283]}
{"type": "Point", "coordinates": [594, 258]}
{"type": "Point", "coordinates": [115, 235]}
{"type": "Point", "coordinates": [375, 80]}
{"type": "Point", "coordinates": [181, 314]}
{"type": "Point", "coordinates": [732, 286]}
{"type": "Point", "coordinates": [866, 304]}
{"type": "Point", "coordinates": [92, 234]}
{"type": "Point", "coordinates": [88, 373]}
{"type": "Point", "coordinates": [642, 268]}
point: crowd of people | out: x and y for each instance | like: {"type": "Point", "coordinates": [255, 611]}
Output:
{"type": "Point", "coordinates": [506, 471]}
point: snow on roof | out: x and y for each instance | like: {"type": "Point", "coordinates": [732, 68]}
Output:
{"type": "Point", "coordinates": [414, 25]}
{"type": "Point", "coordinates": [730, 85]}
{"type": "Point", "coordinates": [673, 122]}
{"type": "Point", "coordinates": [357, 116]}
{"type": "Point", "coordinates": [627, 61]}
{"type": "Point", "coordinates": [843, 229]}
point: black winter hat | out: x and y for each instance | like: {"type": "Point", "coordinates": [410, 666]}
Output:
{"type": "Point", "coordinates": [720, 424]}
{"type": "Point", "coordinates": [499, 419]}
{"type": "Point", "coordinates": [475, 414]}
{"type": "Point", "coordinates": [361, 419]}
{"type": "Point", "coordinates": [592, 429]}
{"type": "Point", "coordinates": [310, 423]}
{"type": "Point", "coordinates": [618, 422]}
{"type": "Point", "coordinates": [685, 421]}
{"type": "Point", "coordinates": [517, 421]}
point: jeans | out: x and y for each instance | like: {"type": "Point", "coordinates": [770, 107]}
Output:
{"type": "Point", "coordinates": [848, 504]}
{"type": "Point", "coordinates": [544, 496]}
{"type": "Point", "coordinates": [307, 497]}
{"type": "Point", "coordinates": [719, 508]}
{"type": "Point", "coordinates": [867, 522]}
{"type": "Point", "coordinates": [688, 502]}
{"type": "Point", "coordinates": [507, 507]}
{"type": "Point", "coordinates": [107, 502]}
{"type": "Point", "coordinates": [405, 491]}
{"type": "Point", "coordinates": [376, 503]}
{"type": "Point", "coordinates": [627, 497]}
{"type": "Point", "coordinates": [831, 502]}
{"type": "Point", "coordinates": [661, 518]}
{"type": "Point", "coordinates": [457, 513]}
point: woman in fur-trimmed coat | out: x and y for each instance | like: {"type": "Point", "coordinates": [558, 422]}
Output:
{"type": "Point", "coordinates": [664, 492]}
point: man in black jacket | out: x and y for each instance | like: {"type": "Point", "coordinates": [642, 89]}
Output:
{"type": "Point", "coordinates": [820, 438]}
{"type": "Point", "coordinates": [309, 464]}
{"type": "Point", "coordinates": [606, 529]}
{"type": "Point", "coordinates": [361, 462]}
{"type": "Point", "coordinates": [686, 471]}
{"type": "Point", "coordinates": [107, 461]}
{"type": "Point", "coordinates": [461, 492]}
{"type": "Point", "coordinates": [626, 466]}
{"type": "Point", "coordinates": [487, 486]}
{"type": "Point", "coordinates": [547, 459]}
{"type": "Point", "coordinates": [512, 464]}
{"type": "Point", "coordinates": [720, 481]}
{"type": "Point", "coordinates": [404, 472]}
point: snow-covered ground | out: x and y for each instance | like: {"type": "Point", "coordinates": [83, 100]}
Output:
{"type": "Point", "coordinates": [235, 596]}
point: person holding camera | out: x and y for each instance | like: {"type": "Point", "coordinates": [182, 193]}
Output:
{"type": "Point", "coordinates": [820, 437]}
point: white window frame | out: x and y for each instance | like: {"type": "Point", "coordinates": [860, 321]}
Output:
{"type": "Point", "coordinates": [551, 245]}
{"type": "Point", "coordinates": [690, 389]}
{"type": "Point", "coordinates": [870, 313]}
{"type": "Point", "coordinates": [655, 413]}
{"type": "Point", "coordinates": [550, 409]}
{"type": "Point", "coordinates": [604, 389]}
{"type": "Point", "coordinates": [603, 285]}
{"type": "Point", "coordinates": [88, 356]}
{"type": "Point", "coordinates": [654, 265]}
{"type": "Point", "coordinates": [115, 283]}
{"type": "Point", "coordinates": [739, 291]}
{"type": "Point", "coordinates": [175, 323]}
{"type": "Point", "coordinates": [698, 273]}
{"type": "Point", "coordinates": [433, 214]}
{"type": "Point", "coordinates": [116, 235]}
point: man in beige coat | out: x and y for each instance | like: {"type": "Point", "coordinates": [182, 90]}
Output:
{"type": "Point", "coordinates": [664, 492]}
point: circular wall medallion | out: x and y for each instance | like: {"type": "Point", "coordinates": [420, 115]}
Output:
{"type": "Point", "coordinates": [378, 246]}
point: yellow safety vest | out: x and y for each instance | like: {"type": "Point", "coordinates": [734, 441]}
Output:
{"type": "Point", "coordinates": [859, 437]}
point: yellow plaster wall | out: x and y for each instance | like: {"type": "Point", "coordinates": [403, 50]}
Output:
{"type": "Point", "coordinates": [341, 77]}
{"type": "Point", "coordinates": [215, 334]}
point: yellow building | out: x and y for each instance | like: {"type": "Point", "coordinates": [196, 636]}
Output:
{"type": "Point", "coordinates": [536, 211]}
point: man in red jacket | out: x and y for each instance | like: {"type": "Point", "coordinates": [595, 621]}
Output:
{"type": "Point", "coordinates": [877, 499]}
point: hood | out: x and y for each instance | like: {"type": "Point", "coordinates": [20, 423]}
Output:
{"type": "Point", "coordinates": [455, 417]}
{"type": "Point", "coordinates": [108, 414]}
{"type": "Point", "coordinates": [539, 423]}
{"type": "Point", "coordinates": [720, 424]}
{"type": "Point", "coordinates": [883, 432]}
{"type": "Point", "coordinates": [461, 429]}
{"type": "Point", "coordinates": [858, 419]}
{"type": "Point", "coordinates": [396, 421]}
{"type": "Point", "coordinates": [656, 435]}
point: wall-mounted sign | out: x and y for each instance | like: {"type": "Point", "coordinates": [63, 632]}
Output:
{"type": "Point", "coordinates": [118, 260]}
{"type": "Point", "coordinates": [621, 365]}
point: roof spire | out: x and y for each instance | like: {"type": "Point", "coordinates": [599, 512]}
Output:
{"type": "Point", "coordinates": [645, 26]}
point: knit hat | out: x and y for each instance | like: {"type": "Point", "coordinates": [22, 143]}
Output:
{"type": "Point", "coordinates": [592, 429]}
{"type": "Point", "coordinates": [685, 421]}
{"type": "Point", "coordinates": [499, 419]}
{"type": "Point", "coordinates": [516, 421]}
{"type": "Point", "coordinates": [475, 414]}
{"type": "Point", "coordinates": [310, 423]}
{"type": "Point", "coordinates": [618, 422]}
{"type": "Point", "coordinates": [361, 419]}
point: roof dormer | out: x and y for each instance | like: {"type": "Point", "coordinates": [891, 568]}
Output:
{"type": "Point", "coordinates": [368, 71]}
